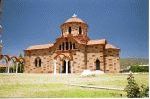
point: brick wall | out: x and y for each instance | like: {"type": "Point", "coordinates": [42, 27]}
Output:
{"type": "Point", "coordinates": [109, 59]}
{"type": "Point", "coordinates": [46, 61]}
{"type": "Point", "coordinates": [112, 60]}
{"type": "Point", "coordinates": [74, 28]}
{"type": "Point", "coordinates": [95, 52]}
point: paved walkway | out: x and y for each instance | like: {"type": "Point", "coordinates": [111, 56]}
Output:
{"type": "Point", "coordinates": [96, 87]}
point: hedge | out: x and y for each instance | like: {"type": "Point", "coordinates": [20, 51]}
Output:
{"type": "Point", "coordinates": [139, 68]}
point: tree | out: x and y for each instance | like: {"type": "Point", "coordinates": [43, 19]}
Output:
{"type": "Point", "coordinates": [20, 55]}
{"type": "Point", "coordinates": [132, 89]}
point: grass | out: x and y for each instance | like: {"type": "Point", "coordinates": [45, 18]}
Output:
{"type": "Point", "coordinates": [46, 85]}
{"type": "Point", "coordinates": [116, 80]}
{"type": "Point", "coordinates": [53, 90]}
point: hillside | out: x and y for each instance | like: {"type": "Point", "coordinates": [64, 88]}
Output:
{"type": "Point", "coordinates": [124, 62]}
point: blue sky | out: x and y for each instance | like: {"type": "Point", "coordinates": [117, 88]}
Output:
{"type": "Point", "coordinates": [123, 23]}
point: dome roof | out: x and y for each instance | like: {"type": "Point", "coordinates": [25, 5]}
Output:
{"type": "Point", "coordinates": [74, 18]}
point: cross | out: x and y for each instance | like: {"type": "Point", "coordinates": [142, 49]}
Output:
{"type": "Point", "coordinates": [74, 15]}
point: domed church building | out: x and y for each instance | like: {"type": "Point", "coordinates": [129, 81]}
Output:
{"type": "Point", "coordinates": [73, 52]}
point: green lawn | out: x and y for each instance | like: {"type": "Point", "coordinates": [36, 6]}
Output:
{"type": "Point", "coordinates": [46, 85]}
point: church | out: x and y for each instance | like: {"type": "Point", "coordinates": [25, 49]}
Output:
{"type": "Point", "coordinates": [72, 52]}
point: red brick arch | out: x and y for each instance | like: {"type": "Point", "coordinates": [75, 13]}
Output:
{"type": "Point", "coordinates": [64, 56]}
{"type": "Point", "coordinates": [6, 57]}
{"type": "Point", "coordinates": [14, 58]}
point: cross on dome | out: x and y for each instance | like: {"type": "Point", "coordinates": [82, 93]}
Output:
{"type": "Point", "coordinates": [74, 15]}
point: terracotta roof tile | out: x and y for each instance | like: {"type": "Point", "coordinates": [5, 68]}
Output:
{"type": "Point", "coordinates": [110, 46]}
{"type": "Point", "coordinates": [43, 46]}
{"type": "Point", "coordinates": [74, 19]}
{"type": "Point", "coordinates": [93, 42]}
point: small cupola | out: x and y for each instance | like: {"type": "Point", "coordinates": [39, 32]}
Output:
{"type": "Point", "coordinates": [74, 26]}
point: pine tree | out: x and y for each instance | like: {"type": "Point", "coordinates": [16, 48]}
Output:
{"type": "Point", "coordinates": [132, 89]}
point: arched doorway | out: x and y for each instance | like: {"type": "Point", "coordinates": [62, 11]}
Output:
{"type": "Point", "coordinates": [64, 67]}
{"type": "Point", "coordinates": [97, 64]}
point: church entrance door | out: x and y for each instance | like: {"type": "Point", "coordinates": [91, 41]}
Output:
{"type": "Point", "coordinates": [64, 67]}
{"type": "Point", "coordinates": [97, 64]}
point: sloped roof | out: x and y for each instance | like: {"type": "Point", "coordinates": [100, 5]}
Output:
{"type": "Point", "coordinates": [43, 46]}
{"type": "Point", "coordinates": [110, 46]}
{"type": "Point", "coordinates": [94, 42]}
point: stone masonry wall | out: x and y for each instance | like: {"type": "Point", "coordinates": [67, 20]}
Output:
{"type": "Point", "coordinates": [112, 60]}
{"type": "Point", "coordinates": [79, 59]}
{"type": "Point", "coordinates": [95, 52]}
{"type": "Point", "coordinates": [74, 29]}
{"type": "Point", "coordinates": [46, 60]}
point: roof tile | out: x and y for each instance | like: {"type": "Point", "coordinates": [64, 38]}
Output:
{"type": "Point", "coordinates": [93, 42]}
{"type": "Point", "coordinates": [74, 19]}
{"type": "Point", "coordinates": [43, 46]}
{"type": "Point", "coordinates": [110, 46]}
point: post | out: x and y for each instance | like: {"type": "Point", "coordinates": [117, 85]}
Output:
{"type": "Point", "coordinates": [16, 67]}
{"type": "Point", "coordinates": [55, 67]}
{"type": "Point", "coordinates": [66, 66]}
{"type": "Point", "coordinates": [71, 64]}
{"type": "Point", "coordinates": [8, 67]}
{"type": "Point", "coordinates": [8, 70]}
{"type": "Point", "coordinates": [60, 67]}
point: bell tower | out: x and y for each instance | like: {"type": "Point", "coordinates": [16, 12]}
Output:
{"type": "Point", "coordinates": [74, 26]}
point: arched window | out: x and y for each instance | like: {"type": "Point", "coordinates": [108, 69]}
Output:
{"type": "Point", "coordinates": [63, 46]}
{"type": "Point", "coordinates": [97, 64]}
{"type": "Point", "coordinates": [80, 30]}
{"type": "Point", "coordinates": [70, 45]}
{"type": "Point", "coordinates": [66, 45]}
{"type": "Point", "coordinates": [64, 67]}
{"type": "Point", "coordinates": [38, 62]}
{"type": "Point", "coordinates": [59, 47]}
{"type": "Point", "coordinates": [69, 30]}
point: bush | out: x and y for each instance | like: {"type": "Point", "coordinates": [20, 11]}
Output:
{"type": "Point", "coordinates": [144, 91]}
{"type": "Point", "coordinates": [134, 91]}
{"type": "Point", "coordinates": [2, 70]}
{"type": "Point", "coordinates": [139, 68]}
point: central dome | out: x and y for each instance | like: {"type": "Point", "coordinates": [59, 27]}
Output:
{"type": "Point", "coordinates": [74, 26]}
{"type": "Point", "coordinates": [74, 18]}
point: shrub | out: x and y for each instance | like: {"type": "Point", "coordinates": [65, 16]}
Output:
{"type": "Point", "coordinates": [134, 91]}
{"type": "Point", "coordinates": [139, 68]}
{"type": "Point", "coordinates": [144, 91]}
{"type": "Point", "coordinates": [2, 70]}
